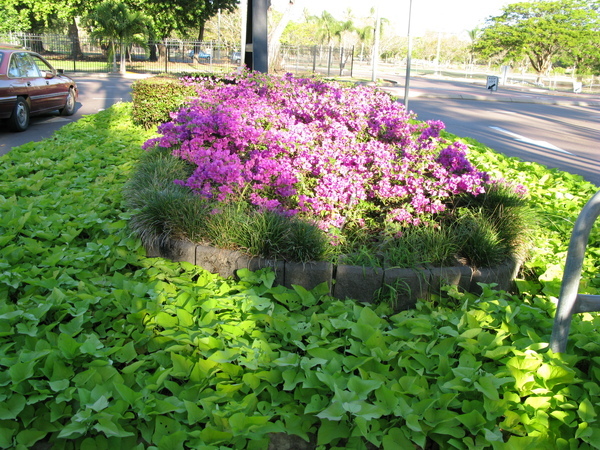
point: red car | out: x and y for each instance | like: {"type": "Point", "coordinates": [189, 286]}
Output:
{"type": "Point", "coordinates": [29, 85]}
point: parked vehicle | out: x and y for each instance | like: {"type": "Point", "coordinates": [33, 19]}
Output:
{"type": "Point", "coordinates": [203, 56]}
{"type": "Point", "coordinates": [200, 56]}
{"type": "Point", "coordinates": [236, 57]}
{"type": "Point", "coordinates": [29, 85]}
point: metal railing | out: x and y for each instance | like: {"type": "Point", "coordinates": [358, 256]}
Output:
{"type": "Point", "coordinates": [570, 301]}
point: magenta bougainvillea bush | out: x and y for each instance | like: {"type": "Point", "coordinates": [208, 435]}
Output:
{"type": "Point", "coordinates": [335, 154]}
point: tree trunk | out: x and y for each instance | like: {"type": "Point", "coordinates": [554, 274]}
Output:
{"type": "Point", "coordinates": [153, 55]}
{"type": "Point", "coordinates": [122, 62]}
{"type": "Point", "coordinates": [275, 36]}
{"type": "Point", "coordinates": [76, 52]}
{"type": "Point", "coordinates": [114, 56]}
{"type": "Point", "coordinates": [162, 52]}
{"type": "Point", "coordinates": [36, 44]}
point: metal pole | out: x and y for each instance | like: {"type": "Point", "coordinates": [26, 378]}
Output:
{"type": "Point", "coordinates": [249, 50]}
{"type": "Point", "coordinates": [408, 56]}
{"type": "Point", "coordinates": [76, 44]}
{"type": "Point", "coordinates": [244, 11]}
{"type": "Point", "coordinates": [437, 54]}
{"type": "Point", "coordinates": [376, 44]}
{"type": "Point", "coordinates": [260, 50]}
{"type": "Point", "coordinates": [166, 56]}
{"type": "Point", "coordinates": [569, 301]}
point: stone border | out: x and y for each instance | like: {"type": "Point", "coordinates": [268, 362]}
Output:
{"type": "Point", "coordinates": [356, 282]}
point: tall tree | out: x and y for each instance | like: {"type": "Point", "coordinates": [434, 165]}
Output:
{"type": "Point", "coordinates": [11, 20]}
{"type": "Point", "coordinates": [181, 15]}
{"type": "Point", "coordinates": [540, 30]}
{"type": "Point", "coordinates": [35, 17]}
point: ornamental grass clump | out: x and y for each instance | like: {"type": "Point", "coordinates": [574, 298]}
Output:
{"type": "Point", "coordinates": [350, 161]}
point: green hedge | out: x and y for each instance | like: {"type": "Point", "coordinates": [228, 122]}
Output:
{"type": "Point", "coordinates": [154, 98]}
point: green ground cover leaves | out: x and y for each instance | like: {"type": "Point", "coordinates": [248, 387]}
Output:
{"type": "Point", "coordinates": [102, 347]}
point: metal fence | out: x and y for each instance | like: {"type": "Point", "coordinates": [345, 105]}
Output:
{"type": "Point", "coordinates": [330, 61]}
{"type": "Point", "coordinates": [83, 54]}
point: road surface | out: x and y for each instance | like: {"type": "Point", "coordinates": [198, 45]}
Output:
{"type": "Point", "coordinates": [95, 94]}
{"type": "Point", "coordinates": [558, 130]}
{"type": "Point", "coordinates": [562, 137]}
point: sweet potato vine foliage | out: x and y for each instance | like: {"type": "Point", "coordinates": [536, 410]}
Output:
{"type": "Point", "coordinates": [335, 154]}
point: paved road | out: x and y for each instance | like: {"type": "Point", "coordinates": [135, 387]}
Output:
{"type": "Point", "coordinates": [563, 137]}
{"type": "Point", "coordinates": [95, 94]}
{"type": "Point", "coordinates": [558, 130]}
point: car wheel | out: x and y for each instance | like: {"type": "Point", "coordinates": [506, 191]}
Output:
{"type": "Point", "coordinates": [19, 120]}
{"type": "Point", "coordinates": [69, 108]}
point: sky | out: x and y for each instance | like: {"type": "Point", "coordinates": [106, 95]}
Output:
{"type": "Point", "coordinates": [447, 16]}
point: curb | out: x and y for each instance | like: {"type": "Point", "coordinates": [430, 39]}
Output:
{"type": "Point", "coordinates": [405, 286]}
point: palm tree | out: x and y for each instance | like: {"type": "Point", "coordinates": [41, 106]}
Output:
{"type": "Point", "coordinates": [342, 27]}
{"type": "Point", "coordinates": [113, 23]}
{"type": "Point", "coordinates": [365, 37]}
{"type": "Point", "coordinates": [327, 27]}
{"type": "Point", "coordinates": [474, 34]}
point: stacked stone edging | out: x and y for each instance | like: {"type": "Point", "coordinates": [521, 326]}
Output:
{"type": "Point", "coordinates": [344, 281]}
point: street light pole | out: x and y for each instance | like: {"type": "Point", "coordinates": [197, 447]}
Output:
{"type": "Point", "coordinates": [408, 56]}
{"type": "Point", "coordinates": [375, 60]}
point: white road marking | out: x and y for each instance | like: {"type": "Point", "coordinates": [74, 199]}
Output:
{"type": "Point", "coordinates": [526, 140]}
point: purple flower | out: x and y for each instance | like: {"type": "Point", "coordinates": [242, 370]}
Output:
{"type": "Point", "coordinates": [303, 146]}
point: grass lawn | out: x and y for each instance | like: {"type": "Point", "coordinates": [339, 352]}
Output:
{"type": "Point", "coordinates": [101, 347]}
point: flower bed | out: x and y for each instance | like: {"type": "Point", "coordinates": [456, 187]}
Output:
{"type": "Point", "coordinates": [351, 162]}
{"type": "Point", "coordinates": [329, 152]}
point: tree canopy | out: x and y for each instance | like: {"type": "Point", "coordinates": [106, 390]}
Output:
{"type": "Point", "coordinates": [167, 16]}
{"type": "Point", "coordinates": [543, 32]}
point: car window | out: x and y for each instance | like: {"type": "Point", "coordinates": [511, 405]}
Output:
{"type": "Point", "coordinates": [1, 58]}
{"type": "Point", "coordinates": [41, 64]}
{"type": "Point", "coordinates": [22, 65]}
{"type": "Point", "coordinates": [13, 68]}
